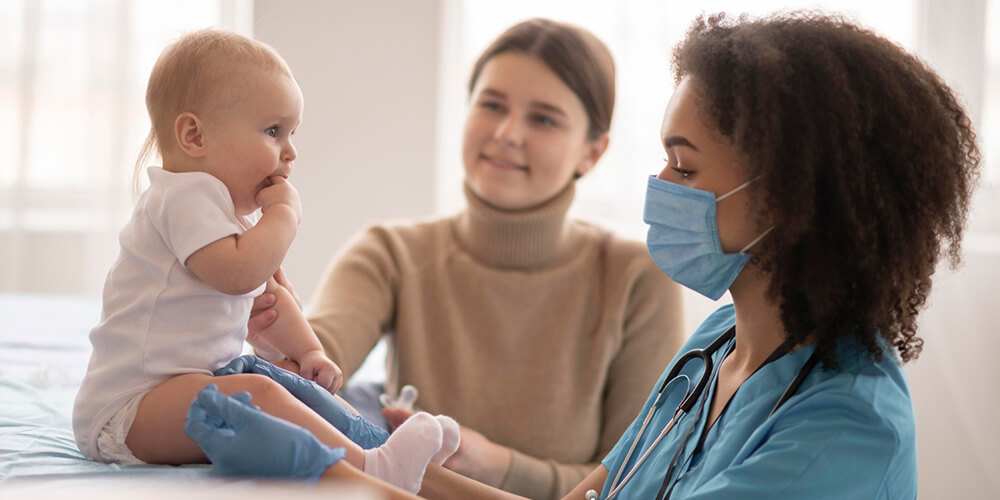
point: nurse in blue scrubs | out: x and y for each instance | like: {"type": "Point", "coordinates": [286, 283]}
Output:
{"type": "Point", "coordinates": [818, 173]}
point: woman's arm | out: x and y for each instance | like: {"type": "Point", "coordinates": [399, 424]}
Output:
{"type": "Point", "coordinates": [653, 332]}
{"type": "Point", "coordinates": [595, 481]}
{"type": "Point", "coordinates": [350, 310]}
{"type": "Point", "coordinates": [356, 299]}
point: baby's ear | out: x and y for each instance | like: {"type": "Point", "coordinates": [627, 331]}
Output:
{"type": "Point", "coordinates": [189, 133]}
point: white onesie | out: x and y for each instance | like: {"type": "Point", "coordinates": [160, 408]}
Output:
{"type": "Point", "coordinates": [159, 320]}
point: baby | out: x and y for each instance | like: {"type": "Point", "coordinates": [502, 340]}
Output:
{"type": "Point", "coordinates": [206, 237]}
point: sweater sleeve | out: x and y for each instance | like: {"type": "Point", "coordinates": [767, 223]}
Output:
{"type": "Point", "coordinates": [356, 299]}
{"type": "Point", "coordinates": [652, 332]}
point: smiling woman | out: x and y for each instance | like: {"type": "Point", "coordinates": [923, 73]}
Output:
{"type": "Point", "coordinates": [525, 135]}
{"type": "Point", "coordinates": [554, 319]}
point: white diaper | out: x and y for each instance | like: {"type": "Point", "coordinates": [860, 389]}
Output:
{"type": "Point", "coordinates": [111, 440]}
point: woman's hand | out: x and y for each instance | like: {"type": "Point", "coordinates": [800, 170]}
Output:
{"type": "Point", "coordinates": [282, 280]}
{"type": "Point", "coordinates": [263, 313]}
{"type": "Point", "coordinates": [477, 457]}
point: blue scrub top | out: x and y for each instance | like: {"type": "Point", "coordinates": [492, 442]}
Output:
{"type": "Point", "coordinates": [847, 433]}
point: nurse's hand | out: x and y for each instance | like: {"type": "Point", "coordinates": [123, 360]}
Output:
{"type": "Point", "coordinates": [330, 407]}
{"type": "Point", "coordinates": [241, 440]}
{"type": "Point", "coordinates": [477, 457]}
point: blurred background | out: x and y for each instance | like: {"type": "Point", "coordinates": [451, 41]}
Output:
{"type": "Point", "coordinates": [385, 92]}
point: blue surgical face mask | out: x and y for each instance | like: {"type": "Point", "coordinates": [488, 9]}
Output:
{"type": "Point", "coordinates": [683, 237]}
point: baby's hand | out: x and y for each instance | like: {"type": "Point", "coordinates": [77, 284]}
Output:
{"type": "Point", "coordinates": [315, 366]}
{"type": "Point", "coordinates": [280, 192]}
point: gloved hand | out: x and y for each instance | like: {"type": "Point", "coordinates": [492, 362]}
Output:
{"type": "Point", "coordinates": [354, 426]}
{"type": "Point", "coordinates": [241, 440]}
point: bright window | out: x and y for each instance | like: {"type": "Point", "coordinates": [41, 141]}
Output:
{"type": "Point", "coordinates": [72, 79]}
{"type": "Point", "coordinates": [72, 118]}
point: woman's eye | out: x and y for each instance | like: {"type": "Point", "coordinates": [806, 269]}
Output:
{"type": "Point", "coordinates": [544, 120]}
{"type": "Point", "coordinates": [490, 105]}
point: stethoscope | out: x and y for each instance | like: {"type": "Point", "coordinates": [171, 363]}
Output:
{"type": "Point", "coordinates": [675, 378]}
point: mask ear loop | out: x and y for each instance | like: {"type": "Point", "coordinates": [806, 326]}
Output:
{"type": "Point", "coordinates": [730, 193]}
{"type": "Point", "coordinates": [741, 186]}
{"type": "Point", "coordinates": [757, 239]}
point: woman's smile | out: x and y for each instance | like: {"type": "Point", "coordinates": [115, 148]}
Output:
{"type": "Point", "coordinates": [503, 163]}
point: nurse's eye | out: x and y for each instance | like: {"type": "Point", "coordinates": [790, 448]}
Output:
{"type": "Point", "coordinates": [676, 167]}
{"type": "Point", "coordinates": [684, 173]}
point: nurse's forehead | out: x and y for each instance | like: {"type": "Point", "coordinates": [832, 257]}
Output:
{"type": "Point", "coordinates": [682, 124]}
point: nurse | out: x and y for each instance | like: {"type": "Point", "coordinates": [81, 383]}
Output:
{"type": "Point", "coordinates": [819, 173]}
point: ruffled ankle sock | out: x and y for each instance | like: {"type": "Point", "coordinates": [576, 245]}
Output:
{"type": "Point", "coordinates": [403, 459]}
{"type": "Point", "coordinates": [450, 439]}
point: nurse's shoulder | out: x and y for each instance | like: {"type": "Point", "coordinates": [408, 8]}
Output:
{"type": "Point", "coordinates": [861, 415]}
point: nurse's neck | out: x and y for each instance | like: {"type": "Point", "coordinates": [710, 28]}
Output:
{"type": "Point", "coordinates": [759, 330]}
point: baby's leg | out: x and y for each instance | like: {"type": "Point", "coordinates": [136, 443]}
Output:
{"type": "Point", "coordinates": [157, 434]}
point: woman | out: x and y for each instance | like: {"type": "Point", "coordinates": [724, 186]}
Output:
{"type": "Point", "coordinates": [846, 167]}
{"type": "Point", "coordinates": [510, 312]}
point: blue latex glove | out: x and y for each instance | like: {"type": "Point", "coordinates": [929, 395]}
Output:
{"type": "Point", "coordinates": [366, 434]}
{"type": "Point", "coordinates": [241, 440]}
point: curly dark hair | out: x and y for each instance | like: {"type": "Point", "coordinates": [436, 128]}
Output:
{"type": "Point", "coordinates": [867, 163]}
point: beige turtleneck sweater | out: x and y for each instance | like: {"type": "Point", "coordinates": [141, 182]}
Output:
{"type": "Point", "coordinates": [544, 334]}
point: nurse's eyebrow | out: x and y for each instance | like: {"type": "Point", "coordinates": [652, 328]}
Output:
{"type": "Point", "coordinates": [676, 140]}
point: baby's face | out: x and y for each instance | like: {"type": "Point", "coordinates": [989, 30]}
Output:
{"type": "Point", "coordinates": [249, 134]}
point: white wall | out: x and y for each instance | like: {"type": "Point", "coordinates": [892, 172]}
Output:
{"type": "Point", "coordinates": [369, 74]}
{"type": "Point", "coordinates": [954, 383]}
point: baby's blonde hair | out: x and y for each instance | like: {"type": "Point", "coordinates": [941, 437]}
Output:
{"type": "Point", "coordinates": [185, 75]}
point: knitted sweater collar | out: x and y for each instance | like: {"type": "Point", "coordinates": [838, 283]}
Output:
{"type": "Point", "coordinates": [524, 239]}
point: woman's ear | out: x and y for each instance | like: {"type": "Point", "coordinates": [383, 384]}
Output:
{"type": "Point", "coordinates": [595, 150]}
{"type": "Point", "coordinates": [189, 133]}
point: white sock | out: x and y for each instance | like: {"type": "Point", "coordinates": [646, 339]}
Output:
{"type": "Point", "coordinates": [403, 459]}
{"type": "Point", "coordinates": [450, 438]}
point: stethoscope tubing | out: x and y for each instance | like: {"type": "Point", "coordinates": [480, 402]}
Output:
{"type": "Point", "coordinates": [688, 403]}
{"type": "Point", "coordinates": [666, 429]}
{"type": "Point", "coordinates": [678, 413]}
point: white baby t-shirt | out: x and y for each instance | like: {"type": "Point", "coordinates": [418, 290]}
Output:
{"type": "Point", "coordinates": [159, 320]}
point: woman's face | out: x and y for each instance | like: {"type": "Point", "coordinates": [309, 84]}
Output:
{"type": "Point", "coordinates": [525, 134]}
{"type": "Point", "coordinates": [699, 156]}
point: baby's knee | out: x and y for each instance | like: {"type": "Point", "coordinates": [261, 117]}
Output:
{"type": "Point", "coordinates": [263, 391]}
